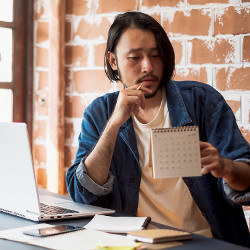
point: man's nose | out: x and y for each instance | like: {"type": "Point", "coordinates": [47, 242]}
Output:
{"type": "Point", "coordinates": [147, 66]}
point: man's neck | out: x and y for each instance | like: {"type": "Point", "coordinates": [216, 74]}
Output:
{"type": "Point", "coordinates": [151, 109]}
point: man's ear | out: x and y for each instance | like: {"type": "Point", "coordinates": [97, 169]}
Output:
{"type": "Point", "coordinates": [112, 60]}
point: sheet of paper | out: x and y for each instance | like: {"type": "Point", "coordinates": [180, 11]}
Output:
{"type": "Point", "coordinates": [78, 240]}
{"type": "Point", "coordinates": [113, 224]}
{"type": "Point", "coordinates": [175, 152]}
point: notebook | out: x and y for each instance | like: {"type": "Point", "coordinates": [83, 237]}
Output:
{"type": "Point", "coordinates": [113, 224]}
{"type": "Point", "coordinates": [18, 190]}
{"type": "Point", "coordinates": [175, 152]}
{"type": "Point", "coordinates": [159, 235]}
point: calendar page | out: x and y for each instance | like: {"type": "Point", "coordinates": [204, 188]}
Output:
{"type": "Point", "coordinates": [175, 152]}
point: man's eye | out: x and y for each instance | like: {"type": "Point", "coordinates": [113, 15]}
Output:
{"type": "Point", "coordinates": [133, 58]}
{"type": "Point", "coordinates": [156, 55]}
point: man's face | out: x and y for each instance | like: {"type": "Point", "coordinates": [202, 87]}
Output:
{"type": "Point", "coordinates": [137, 59]}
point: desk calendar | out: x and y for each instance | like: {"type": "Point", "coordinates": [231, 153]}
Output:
{"type": "Point", "coordinates": [175, 152]}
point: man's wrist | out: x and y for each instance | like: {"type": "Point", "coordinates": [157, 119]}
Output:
{"type": "Point", "coordinates": [113, 124]}
{"type": "Point", "coordinates": [228, 174]}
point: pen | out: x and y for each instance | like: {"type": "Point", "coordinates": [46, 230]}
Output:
{"type": "Point", "coordinates": [146, 222]}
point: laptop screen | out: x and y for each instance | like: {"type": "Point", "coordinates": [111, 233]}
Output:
{"type": "Point", "coordinates": [18, 191]}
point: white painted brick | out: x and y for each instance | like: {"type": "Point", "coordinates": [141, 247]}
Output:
{"type": "Point", "coordinates": [245, 107]}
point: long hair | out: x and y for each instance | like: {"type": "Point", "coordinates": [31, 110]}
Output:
{"type": "Point", "coordinates": [144, 22]}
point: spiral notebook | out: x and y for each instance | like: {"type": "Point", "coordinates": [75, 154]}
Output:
{"type": "Point", "coordinates": [175, 152]}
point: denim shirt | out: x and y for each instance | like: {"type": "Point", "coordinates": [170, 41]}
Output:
{"type": "Point", "coordinates": [189, 103]}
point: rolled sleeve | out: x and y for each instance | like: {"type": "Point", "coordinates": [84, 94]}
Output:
{"type": "Point", "coordinates": [244, 160]}
{"type": "Point", "coordinates": [90, 185]}
{"type": "Point", "coordinates": [239, 197]}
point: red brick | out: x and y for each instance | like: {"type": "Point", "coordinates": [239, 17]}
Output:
{"type": "Point", "coordinates": [231, 78]}
{"type": "Point", "coordinates": [91, 81]}
{"type": "Point", "coordinates": [74, 106]}
{"type": "Point", "coordinates": [65, 186]}
{"type": "Point", "coordinates": [245, 1]}
{"type": "Point", "coordinates": [213, 51]}
{"type": "Point", "coordinates": [68, 32]}
{"type": "Point", "coordinates": [234, 105]}
{"type": "Point", "coordinates": [42, 33]}
{"type": "Point", "coordinates": [93, 30]}
{"type": "Point", "coordinates": [42, 102]}
{"type": "Point", "coordinates": [43, 80]}
{"type": "Point", "coordinates": [178, 49]}
{"type": "Point", "coordinates": [39, 13]}
{"type": "Point", "coordinates": [70, 153]}
{"type": "Point", "coordinates": [99, 54]}
{"type": "Point", "coordinates": [234, 20]}
{"type": "Point", "coordinates": [189, 24]}
{"type": "Point", "coordinates": [77, 7]}
{"type": "Point", "coordinates": [39, 155]}
{"type": "Point", "coordinates": [69, 85]}
{"type": "Point", "coordinates": [161, 3]}
{"type": "Point", "coordinates": [40, 130]}
{"type": "Point", "coordinates": [76, 56]}
{"type": "Point", "coordinates": [246, 133]}
{"type": "Point", "coordinates": [41, 177]}
{"type": "Point", "coordinates": [107, 6]}
{"type": "Point", "coordinates": [246, 49]}
{"type": "Point", "coordinates": [42, 57]}
{"type": "Point", "coordinates": [202, 2]}
{"type": "Point", "coordinates": [191, 74]}
{"type": "Point", "coordinates": [69, 132]}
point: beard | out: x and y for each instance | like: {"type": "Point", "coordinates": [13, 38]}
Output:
{"type": "Point", "coordinates": [147, 96]}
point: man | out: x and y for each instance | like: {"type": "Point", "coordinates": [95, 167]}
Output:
{"type": "Point", "coordinates": [112, 167]}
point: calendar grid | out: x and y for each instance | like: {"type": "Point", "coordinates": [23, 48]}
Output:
{"type": "Point", "coordinates": [175, 152]}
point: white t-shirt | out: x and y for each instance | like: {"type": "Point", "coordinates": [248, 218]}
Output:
{"type": "Point", "coordinates": [167, 201]}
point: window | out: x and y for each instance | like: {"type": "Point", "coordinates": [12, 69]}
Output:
{"type": "Point", "coordinates": [6, 34]}
{"type": "Point", "coordinates": [16, 52]}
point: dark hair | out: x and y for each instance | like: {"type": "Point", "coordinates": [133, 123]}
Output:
{"type": "Point", "coordinates": [144, 22]}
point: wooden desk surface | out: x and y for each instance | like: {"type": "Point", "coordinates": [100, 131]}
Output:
{"type": "Point", "coordinates": [8, 221]}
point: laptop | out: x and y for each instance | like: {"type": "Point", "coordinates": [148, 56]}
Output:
{"type": "Point", "coordinates": [18, 190]}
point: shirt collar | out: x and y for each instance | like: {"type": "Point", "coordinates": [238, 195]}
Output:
{"type": "Point", "coordinates": [176, 107]}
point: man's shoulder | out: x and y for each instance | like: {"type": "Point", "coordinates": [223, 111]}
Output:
{"type": "Point", "coordinates": [104, 101]}
{"type": "Point", "coordinates": [189, 85]}
{"type": "Point", "coordinates": [107, 97]}
{"type": "Point", "coordinates": [197, 88]}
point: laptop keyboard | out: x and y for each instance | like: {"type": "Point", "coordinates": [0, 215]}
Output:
{"type": "Point", "coordinates": [47, 209]}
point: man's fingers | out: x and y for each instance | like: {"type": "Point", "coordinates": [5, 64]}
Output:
{"type": "Point", "coordinates": [204, 171]}
{"type": "Point", "coordinates": [141, 88]}
{"type": "Point", "coordinates": [204, 145]}
{"type": "Point", "coordinates": [206, 160]}
{"type": "Point", "coordinates": [137, 94]}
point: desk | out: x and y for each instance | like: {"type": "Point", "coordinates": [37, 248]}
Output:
{"type": "Point", "coordinates": [8, 221]}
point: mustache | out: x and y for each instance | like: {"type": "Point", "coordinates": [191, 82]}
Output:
{"type": "Point", "coordinates": [141, 79]}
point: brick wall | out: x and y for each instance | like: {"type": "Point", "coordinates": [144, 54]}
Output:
{"type": "Point", "coordinates": [211, 39]}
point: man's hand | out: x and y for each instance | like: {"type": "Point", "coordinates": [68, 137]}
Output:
{"type": "Point", "coordinates": [211, 161]}
{"type": "Point", "coordinates": [236, 174]}
{"type": "Point", "coordinates": [128, 101]}
{"type": "Point", "coordinates": [98, 161]}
